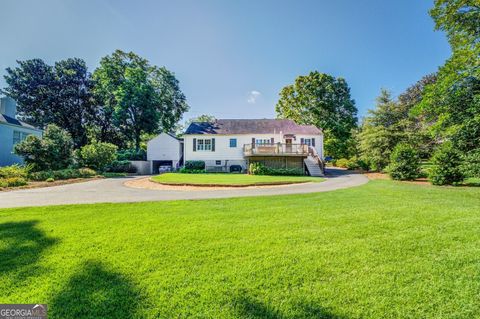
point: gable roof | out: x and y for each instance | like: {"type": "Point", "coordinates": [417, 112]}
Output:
{"type": "Point", "coordinates": [251, 126]}
{"type": "Point", "coordinates": [10, 120]}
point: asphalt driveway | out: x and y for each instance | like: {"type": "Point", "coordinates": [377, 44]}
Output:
{"type": "Point", "coordinates": [113, 190]}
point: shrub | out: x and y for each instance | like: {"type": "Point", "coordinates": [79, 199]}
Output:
{"type": "Point", "coordinates": [446, 166]}
{"type": "Point", "coordinates": [52, 152]}
{"type": "Point", "coordinates": [256, 168]}
{"type": "Point", "coordinates": [132, 155]}
{"type": "Point", "coordinates": [195, 165]}
{"type": "Point", "coordinates": [50, 180]}
{"type": "Point", "coordinates": [98, 155]}
{"type": "Point", "coordinates": [13, 171]}
{"type": "Point", "coordinates": [343, 163]}
{"type": "Point", "coordinates": [356, 163]}
{"type": "Point", "coordinates": [471, 164]}
{"type": "Point", "coordinates": [62, 174]}
{"type": "Point", "coordinates": [12, 182]}
{"type": "Point", "coordinates": [121, 167]}
{"type": "Point", "coordinates": [185, 170]}
{"type": "Point", "coordinates": [404, 163]}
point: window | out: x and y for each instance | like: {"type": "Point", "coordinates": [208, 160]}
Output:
{"type": "Point", "coordinates": [233, 142]}
{"type": "Point", "coordinates": [204, 145]}
{"type": "Point", "coordinates": [218, 162]}
{"type": "Point", "coordinates": [307, 141]}
{"type": "Point", "coordinates": [262, 141]}
{"type": "Point", "coordinates": [19, 136]}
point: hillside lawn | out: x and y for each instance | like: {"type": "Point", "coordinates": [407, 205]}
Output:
{"type": "Point", "coordinates": [212, 179]}
{"type": "Point", "coordinates": [382, 250]}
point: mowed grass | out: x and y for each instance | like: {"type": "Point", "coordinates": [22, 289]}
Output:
{"type": "Point", "coordinates": [382, 250]}
{"type": "Point", "coordinates": [231, 179]}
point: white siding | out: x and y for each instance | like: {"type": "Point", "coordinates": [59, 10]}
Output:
{"type": "Point", "coordinates": [164, 148]}
{"type": "Point", "coordinates": [7, 157]}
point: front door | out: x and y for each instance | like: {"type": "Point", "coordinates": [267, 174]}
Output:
{"type": "Point", "coordinates": [288, 145]}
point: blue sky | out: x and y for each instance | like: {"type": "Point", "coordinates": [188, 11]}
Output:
{"type": "Point", "coordinates": [233, 57]}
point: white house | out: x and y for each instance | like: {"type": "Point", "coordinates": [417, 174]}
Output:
{"type": "Point", "coordinates": [226, 145]}
{"type": "Point", "coordinates": [12, 131]}
{"type": "Point", "coordinates": [165, 150]}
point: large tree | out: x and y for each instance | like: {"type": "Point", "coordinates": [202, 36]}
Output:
{"type": "Point", "coordinates": [59, 94]}
{"type": "Point", "coordinates": [136, 97]}
{"type": "Point", "coordinates": [324, 101]}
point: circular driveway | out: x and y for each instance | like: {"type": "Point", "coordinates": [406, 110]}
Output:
{"type": "Point", "coordinates": [113, 190]}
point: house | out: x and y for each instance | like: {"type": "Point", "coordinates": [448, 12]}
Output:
{"type": "Point", "coordinates": [12, 131]}
{"type": "Point", "coordinates": [163, 151]}
{"type": "Point", "coordinates": [230, 144]}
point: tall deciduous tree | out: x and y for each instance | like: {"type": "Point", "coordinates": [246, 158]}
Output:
{"type": "Point", "coordinates": [59, 94]}
{"type": "Point", "coordinates": [137, 98]}
{"type": "Point", "coordinates": [324, 101]}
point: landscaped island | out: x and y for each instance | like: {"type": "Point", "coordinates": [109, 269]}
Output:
{"type": "Point", "coordinates": [230, 179]}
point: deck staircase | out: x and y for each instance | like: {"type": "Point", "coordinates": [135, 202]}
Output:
{"type": "Point", "coordinates": [314, 164]}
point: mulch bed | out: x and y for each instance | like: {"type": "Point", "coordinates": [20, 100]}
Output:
{"type": "Point", "coordinates": [33, 184]}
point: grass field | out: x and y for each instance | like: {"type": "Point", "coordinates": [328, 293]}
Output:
{"type": "Point", "coordinates": [230, 179]}
{"type": "Point", "coordinates": [382, 250]}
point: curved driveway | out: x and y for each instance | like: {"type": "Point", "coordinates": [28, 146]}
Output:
{"type": "Point", "coordinates": [112, 190]}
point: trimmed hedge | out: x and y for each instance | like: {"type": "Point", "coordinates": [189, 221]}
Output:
{"type": "Point", "coordinates": [185, 170]}
{"type": "Point", "coordinates": [121, 167]}
{"type": "Point", "coordinates": [195, 165]}
{"type": "Point", "coordinates": [260, 169]}
{"type": "Point", "coordinates": [62, 174]}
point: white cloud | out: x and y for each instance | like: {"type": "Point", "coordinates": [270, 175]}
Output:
{"type": "Point", "coordinates": [253, 96]}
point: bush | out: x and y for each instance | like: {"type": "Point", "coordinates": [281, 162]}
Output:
{"type": "Point", "coordinates": [52, 152]}
{"type": "Point", "coordinates": [185, 170]}
{"type": "Point", "coordinates": [356, 163]}
{"type": "Point", "coordinates": [12, 182]}
{"type": "Point", "coordinates": [98, 155]}
{"type": "Point", "coordinates": [62, 174]}
{"type": "Point", "coordinates": [404, 163]}
{"type": "Point", "coordinates": [121, 167]}
{"type": "Point", "coordinates": [446, 166]}
{"type": "Point", "coordinates": [256, 168]}
{"type": "Point", "coordinates": [50, 180]}
{"type": "Point", "coordinates": [132, 155]}
{"type": "Point", "coordinates": [471, 164]}
{"type": "Point", "coordinates": [13, 171]}
{"type": "Point", "coordinates": [343, 163]}
{"type": "Point", "coordinates": [195, 165]}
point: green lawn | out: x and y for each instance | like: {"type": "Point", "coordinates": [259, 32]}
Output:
{"type": "Point", "coordinates": [382, 250]}
{"type": "Point", "coordinates": [230, 179]}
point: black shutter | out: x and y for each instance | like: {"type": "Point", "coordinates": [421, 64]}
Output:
{"type": "Point", "coordinates": [313, 142]}
{"type": "Point", "coordinates": [272, 141]}
{"type": "Point", "coordinates": [213, 145]}
{"type": "Point", "coordinates": [194, 144]}
{"type": "Point", "coordinates": [302, 141]}
{"type": "Point", "coordinates": [253, 142]}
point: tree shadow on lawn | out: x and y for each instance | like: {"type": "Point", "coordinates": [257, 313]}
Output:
{"type": "Point", "coordinates": [97, 292]}
{"type": "Point", "coordinates": [24, 245]}
{"type": "Point", "coordinates": [247, 307]}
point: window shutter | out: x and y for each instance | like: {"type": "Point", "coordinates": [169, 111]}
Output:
{"type": "Point", "coordinates": [302, 141]}
{"type": "Point", "coordinates": [194, 144]}
{"type": "Point", "coordinates": [313, 142]}
{"type": "Point", "coordinates": [272, 141]}
{"type": "Point", "coordinates": [253, 141]}
{"type": "Point", "coordinates": [213, 145]}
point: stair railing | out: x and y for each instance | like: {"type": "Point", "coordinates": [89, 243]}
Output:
{"type": "Point", "coordinates": [313, 152]}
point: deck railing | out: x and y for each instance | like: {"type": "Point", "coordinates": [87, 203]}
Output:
{"type": "Point", "coordinates": [275, 149]}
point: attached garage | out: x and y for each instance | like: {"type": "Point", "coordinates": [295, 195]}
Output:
{"type": "Point", "coordinates": [165, 151]}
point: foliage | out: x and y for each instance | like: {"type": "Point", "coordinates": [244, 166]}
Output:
{"type": "Point", "coordinates": [13, 171]}
{"type": "Point", "coordinates": [53, 151]}
{"type": "Point", "coordinates": [446, 166]}
{"type": "Point", "coordinates": [59, 94]}
{"type": "Point", "coordinates": [185, 170]}
{"type": "Point", "coordinates": [132, 155]}
{"type": "Point", "coordinates": [257, 168]}
{"type": "Point", "coordinates": [137, 98]}
{"type": "Point", "coordinates": [98, 155]}
{"type": "Point", "coordinates": [342, 162]}
{"type": "Point", "coordinates": [12, 181]}
{"type": "Point", "coordinates": [357, 163]}
{"type": "Point", "coordinates": [324, 101]}
{"type": "Point", "coordinates": [404, 163]}
{"type": "Point", "coordinates": [233, 179]}
{"type": "Point", "coordinates": [123, 166]}
{"type": "Point", "coordinates": [195, 165]}
{"type": "Point", "coordinates": [50, 180]}
{"type": "Point", "coordinates": [471, 164]}
{"type": "Point", "coordinates": [67, 173]}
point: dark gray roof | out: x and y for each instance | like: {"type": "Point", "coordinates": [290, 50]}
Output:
{"type": "Point", "coordinates": [253, 126]}
{"type": "Point", "coordinates": [7, 119]}
{"type": "Point", "coordinates": [174, 136]}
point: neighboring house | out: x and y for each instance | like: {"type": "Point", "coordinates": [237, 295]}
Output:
{"type": "Point", "coordinates": [12, 131]}
{"type": "Point", "coordinates": [226, 145]}
{"type": "Point", "coordinates": [165, 150]}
